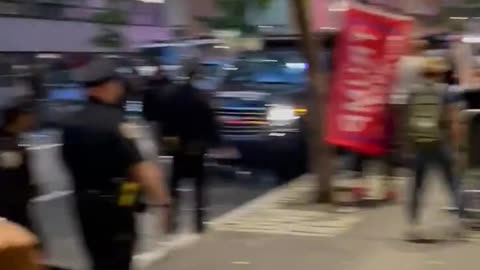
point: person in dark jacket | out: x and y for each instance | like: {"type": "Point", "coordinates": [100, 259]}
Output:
{"type": "Point", "coordinates": [188, 129]}
{"type": "Point", "coordinates": [196, 129]}
{"type": "Point", "coordinates": [16, 185]}
{"type": "Point", "coordinates": [156, 108]}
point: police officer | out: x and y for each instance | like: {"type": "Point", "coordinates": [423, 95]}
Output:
{"type": "Point", "coordinates": [16, 186]}
{"type": "Point", "coordinates": [190, 131]}
{"type": "Point", "coordinates": [107, 169]}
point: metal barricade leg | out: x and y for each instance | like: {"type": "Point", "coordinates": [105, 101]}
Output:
{"type": "Point", "coordinates": [470, 186]}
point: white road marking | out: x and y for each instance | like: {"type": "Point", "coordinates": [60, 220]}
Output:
{"type": "Point", "coordinates": [146, 259]}
{"type": "Point", "coordinates": [268, 198]}
{"type": "Point", "coordinates": [52, 196]}
{"type": "Point", "coordinates": [270, 214]}
{"type": "Point", "coordinates": [241, 263]}
{"type": "Point", "coordinates": [435, 262]}
{"type": "Point", "coordinates": [44, 146]}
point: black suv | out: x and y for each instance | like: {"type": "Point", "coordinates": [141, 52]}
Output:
{"type": "Point", "coordinates": [261, 108]}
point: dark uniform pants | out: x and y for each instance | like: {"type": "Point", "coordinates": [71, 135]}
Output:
{"type": "Point", "coordinates": [185, 166]}
{"type": "Point", "coordinates": [109, 233]}
{"type": "Point", "coordinates": [17, 213]}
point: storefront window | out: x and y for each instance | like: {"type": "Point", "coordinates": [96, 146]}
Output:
{"type": "Point", "coordinates": [138, 13]}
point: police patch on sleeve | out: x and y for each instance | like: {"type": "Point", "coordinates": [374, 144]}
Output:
{"type": "Point", "coordinates": [129, 130]}
{"type": "Point", "coordinates": [10, 160]}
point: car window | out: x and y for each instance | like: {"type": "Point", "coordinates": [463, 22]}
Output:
{"type": "Point", "coordinates": [58, 77]}
{"type": "Point", "coordinates": [165, 55]}
{"type": "Point", "coordinates": [281, 68]}
{"type": "Point", "coordinates": [208, 70]}
{"type": "Point", "coordinates": [60, 86]}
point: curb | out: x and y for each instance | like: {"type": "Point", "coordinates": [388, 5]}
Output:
{"type": "Point", "coordinates": [267, 198]}
{"type": "Point", "coordinates": [147, 259]}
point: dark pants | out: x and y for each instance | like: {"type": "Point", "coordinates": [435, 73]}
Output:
{"type": "Point", "coordinates": [443, 158]}
{"type": "Point", "coordinates": [109, 233]}
{"type": "Point", "coordinates": [189, 167]}
{"type": "Point", "coordinates": [17, 213]}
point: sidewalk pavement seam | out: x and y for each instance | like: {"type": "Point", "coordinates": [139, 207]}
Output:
{"type": "Point", "coordinates": [147, 259]}
{"type": "Point", "coordinates": [267, 198]}
{"type": "Point", "coordinates": [268, 214]}
{"type": "Point", "coordinates": [275, 213]}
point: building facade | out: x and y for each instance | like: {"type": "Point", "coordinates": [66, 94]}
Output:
{"type": "Point", "coordinates": [184, 14]}
{"type": "Point", "coordinates": [327, 14]}
{"type": "Point", "coordinates": [280, 18]}
{"type": "Point", "coordinates": [71, 25]}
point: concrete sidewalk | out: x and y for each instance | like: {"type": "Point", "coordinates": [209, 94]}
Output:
{"type": "Point", "coordinates": [281, 232]}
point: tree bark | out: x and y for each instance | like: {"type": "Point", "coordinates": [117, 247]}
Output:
{"type": "Point", "coordinates": [319, 152]}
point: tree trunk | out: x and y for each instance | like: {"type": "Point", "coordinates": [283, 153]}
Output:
{"type": "Point", "coordinates": [319, 152]}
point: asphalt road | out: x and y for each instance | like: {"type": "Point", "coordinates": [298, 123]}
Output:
{"type": "Point", "coordinates": [55, 216]}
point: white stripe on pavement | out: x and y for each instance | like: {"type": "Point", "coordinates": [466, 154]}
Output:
{"type": "Point", "coordinates": [241, 263]}
{"type": "Point", "coordinates": [146, 259]}
{"type": "Point", "coordinates": [52, 196]}
{"type": "Point", "coordinates": [44, 146]}
{"type": "Point", "coordinates": [267, 198]}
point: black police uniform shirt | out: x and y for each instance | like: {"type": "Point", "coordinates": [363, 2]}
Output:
{"type": "Point", "coordinates": [15, 181]}
{"type": "Point", "coordinates": [99, 148]}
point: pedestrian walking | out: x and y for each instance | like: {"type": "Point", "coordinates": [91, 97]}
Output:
{"type": "Point", "coordinates": [156, 106]}
{"type": "Point", "coordinates": [188, 128]}
{"type": "Point", "coordinates": [16, 185]}
{"type": "Point", "coordinates": [108, 170]}
{"type": "Point", "coordinates": [435, 134]}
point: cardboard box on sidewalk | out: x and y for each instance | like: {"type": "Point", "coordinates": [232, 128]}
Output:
{"type": "Point", "coordinates": [17, 248]}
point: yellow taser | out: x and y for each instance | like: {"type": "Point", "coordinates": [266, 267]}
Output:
{"type": "Point", "coordinates": [129, 193]}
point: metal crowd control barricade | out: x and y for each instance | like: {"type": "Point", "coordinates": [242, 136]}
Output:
{"type": "Point", "coordinates": [471, 166]}
{"type": "Point", "coordinates": [149, 235]}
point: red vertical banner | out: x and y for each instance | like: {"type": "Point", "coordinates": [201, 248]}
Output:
{"type": "Point", "coordinates": [368, 48]}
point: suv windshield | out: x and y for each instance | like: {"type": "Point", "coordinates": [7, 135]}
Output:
{"type": "Point", "coordinates": [60, 85]}
{"type": "Point", "coordinates": [269, 68]}
{"type": "Point", "coordinates": [165, 55]}
{"type": "Point", "coordinates": [210, 70]}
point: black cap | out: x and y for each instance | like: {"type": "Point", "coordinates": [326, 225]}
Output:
{"type": "Point", "coordinates": [96, 72]}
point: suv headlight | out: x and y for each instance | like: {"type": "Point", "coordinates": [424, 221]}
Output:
{"type": "Point", "coordinates": [281, 114]}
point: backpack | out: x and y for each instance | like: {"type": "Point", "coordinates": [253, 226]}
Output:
{"type": "Point", "coordinates": [426, 115]}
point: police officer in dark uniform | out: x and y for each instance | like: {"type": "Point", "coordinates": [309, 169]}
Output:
{"type": "Point", "coordinates": [107, 168]}
{"type": "Point", "coordinates": [16, 186]}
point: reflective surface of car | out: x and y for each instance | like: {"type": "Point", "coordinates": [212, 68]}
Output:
{"type": "Point", "coordinates": [65, 96]}
{"type": "Point", "coordinates": [261, 107]}
{"type": "Point", "coordinates": [211, 74]}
